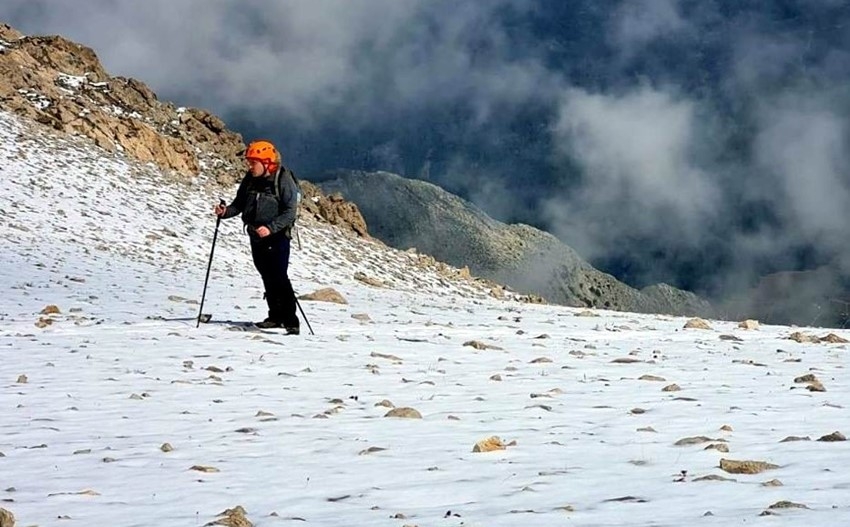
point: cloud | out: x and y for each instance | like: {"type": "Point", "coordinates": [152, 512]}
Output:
{"type": "Point", "coordinates": [639, 176]}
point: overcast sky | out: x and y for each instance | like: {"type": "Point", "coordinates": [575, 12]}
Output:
{"type": "Point", "coordinates": [666, 140]}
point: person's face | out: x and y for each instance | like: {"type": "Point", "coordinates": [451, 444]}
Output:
{"type": "Point", "coordinates": [256, 168]}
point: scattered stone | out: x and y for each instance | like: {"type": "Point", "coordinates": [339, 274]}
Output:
{"type": "Point", "coordinates": [108, 460]}
{"type": "Point", "coordinates": [496, 377]}
{"type": "Point", "coordinates": [637, 411]}
{"type": "Point", "coordinates": [565, 508]}
{"type": "Point", "coordinates": [726, 428]}
{"type": "Point", "coordinates": [697, 323]}
{"type": "Point", "coordinates": [652, 378]}
{"type": "Point", "coordinates": [720, 447]}
{"type": "Point", "coordinates": [749, 324]}
{"type": "Point", "coordinates": [368, 280]}
{"type": "Point", "coordinates": [587, 313]}
{"type": "Point", "coordinates": [731, 338]}
{"type": "Point", "coordinates": [488, 445]}
{"type": "Point", "coordinates": [385, 356]}
{"type": "Point", "coordinates": [371, 450]}
{"type": "Point", "coordinates": [671, 388]}
{"type": "Point", "coordinates": [7, 519]}
{"type": "Point", "coordinates": [166, 447]}
{"type": "Point", "coordinates": [713, 477]}
{"type": "Point", "coordinates": [480, 345]}
{"type": "Point", "coordinates": [815, 386]}
{"type": "Point", "coordinates": [42, 322]}
{"type": "Point", "coordinates": [694, 440]}
{"type": "Point", "coordinates": [540, 360]}
{"type": "Point", "coordinates": [745, 467]}
{"type": "Point", "coordinates": [328, 294]}
{"type": "Point", "coordinates": [787, 505]}
{"type": "Point", "coordinates": [809, 377]}
{"type": "Point", "coordinates": [625, 360]}
{"type": "Point", "coordinates": [803, 338]}
{"type": "Point", "coordinates": [50, 310]}
{"type": "Point", "coordinates": [542, 336]}
{"type": "Point", "coordinates": [835, 436]}
{"type": "Point", "coordinates": [204, 468]}
{"type": "Point", "coordinates": [385, 403]}
{"type": "Point", "coordinates": [235, 517]}
{"type": "Point", "coordinates": [832, 338]}
{"type": "Point", "coordinates": [404, 412]}
{"type": "Point", "coordinates": [263, 413]}
{"type": "Point", "coordinates": [647, 429]}
{"type": "Point", "coordinates": [795, 438]}
{"type": "Point", "coordinates": [362, 317]}
{"type": "Point", "coordinates": [772, 483]}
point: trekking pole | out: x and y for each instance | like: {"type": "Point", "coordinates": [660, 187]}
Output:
{"type": "Point", "coordinates": [209, 265]}
{"type": "Point", "coordinates": [297, 303]}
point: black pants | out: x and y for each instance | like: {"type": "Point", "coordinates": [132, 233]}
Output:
{"type": "Point", "coordinates": [271, 258]}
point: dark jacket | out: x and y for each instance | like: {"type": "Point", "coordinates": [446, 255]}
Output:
{"type": "Point", "coordinates": [259, 205]}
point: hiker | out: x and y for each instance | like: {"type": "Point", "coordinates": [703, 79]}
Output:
{"type": "Point", "coordinates": [267, 199]}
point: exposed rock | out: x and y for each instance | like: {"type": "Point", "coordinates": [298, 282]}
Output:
{"type": "Point", "coordinates": [835, 436]}
{"type": "Point", "coordinates": [749, 324]}
{"type": "Point", "coordinates": [790, 439]}
{"type": "Point", "coordinates": [235, 517]}
{"type": "Point", "coordinates": [368, 280]}
{"type": "Point", "coordinates": [809, 377]}
{"type": "Point", "coordinates": [832, 338]}
{"type": "Point", "coordinates": [480, 345]}
{"type": "Point", "coordinates": [803, 338]}
{"type": "Point", "coordinates": [50, 310]}
{"type": "Point", "coordinates": [713, 477]}
{"type": "Point", "coordinates": [695, 440]}
{"type": "Point", "coordinates": [787, 505]}
{"type": "Point", "coordinates": [671, 388]}
{"type": "Point", "coordinates": [7, 519]}
{"type": "Point", "coordinates": [489, 445]}
{"type": "Point", "coordinates": [62, 84]}
{"type": "Point", "coordinates": [745, 467]}
{"type": "Point", "coordinates": [404, 412]}
{"type": "Point", "coordinates": [697, 323]}
{"type": "Point", "coordinates": [327, 294]}
{"type": "Point", "coordinates": [203, 468]}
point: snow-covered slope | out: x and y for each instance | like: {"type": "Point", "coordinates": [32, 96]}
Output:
{"type": "Point", "coordinates": [293, 429]}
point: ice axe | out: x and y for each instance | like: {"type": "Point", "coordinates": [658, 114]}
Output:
{"type": "Point", "coordinates": [205, 317]}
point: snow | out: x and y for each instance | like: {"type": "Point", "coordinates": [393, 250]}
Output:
{"type": "Point", "coordinates": [71, 81]}
{"type": "Point", "coordinates": [123, 370]}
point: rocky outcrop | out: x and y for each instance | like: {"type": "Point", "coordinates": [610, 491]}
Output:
{"type": "Point", "coordinates": [63, 85]}
{"type": "Point", "coordinates": [408, 213]}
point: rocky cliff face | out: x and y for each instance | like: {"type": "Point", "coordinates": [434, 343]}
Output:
{"type": "Point", "coordinates": [61, 84]}
{"type": "Point", "coordinates": [407, 213]}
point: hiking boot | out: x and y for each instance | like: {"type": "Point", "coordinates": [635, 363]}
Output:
{"type": "Point", "coordinates": [269, 324]}
{"type": "Point", "coordinates": [293, 330]}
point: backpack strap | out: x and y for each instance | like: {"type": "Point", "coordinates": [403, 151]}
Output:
{"type": "Point", "coordinates": [277, 191]}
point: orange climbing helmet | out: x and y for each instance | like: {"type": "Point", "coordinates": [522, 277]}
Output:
{"type": "Point", "coordinates": [264, 152]}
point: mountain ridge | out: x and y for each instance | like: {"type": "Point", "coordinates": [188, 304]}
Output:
{"type": "Point", "coordinates": [411, 213]}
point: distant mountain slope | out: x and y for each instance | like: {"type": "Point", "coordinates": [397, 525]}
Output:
{"type": "Point", "coordinates": [408, 213]}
